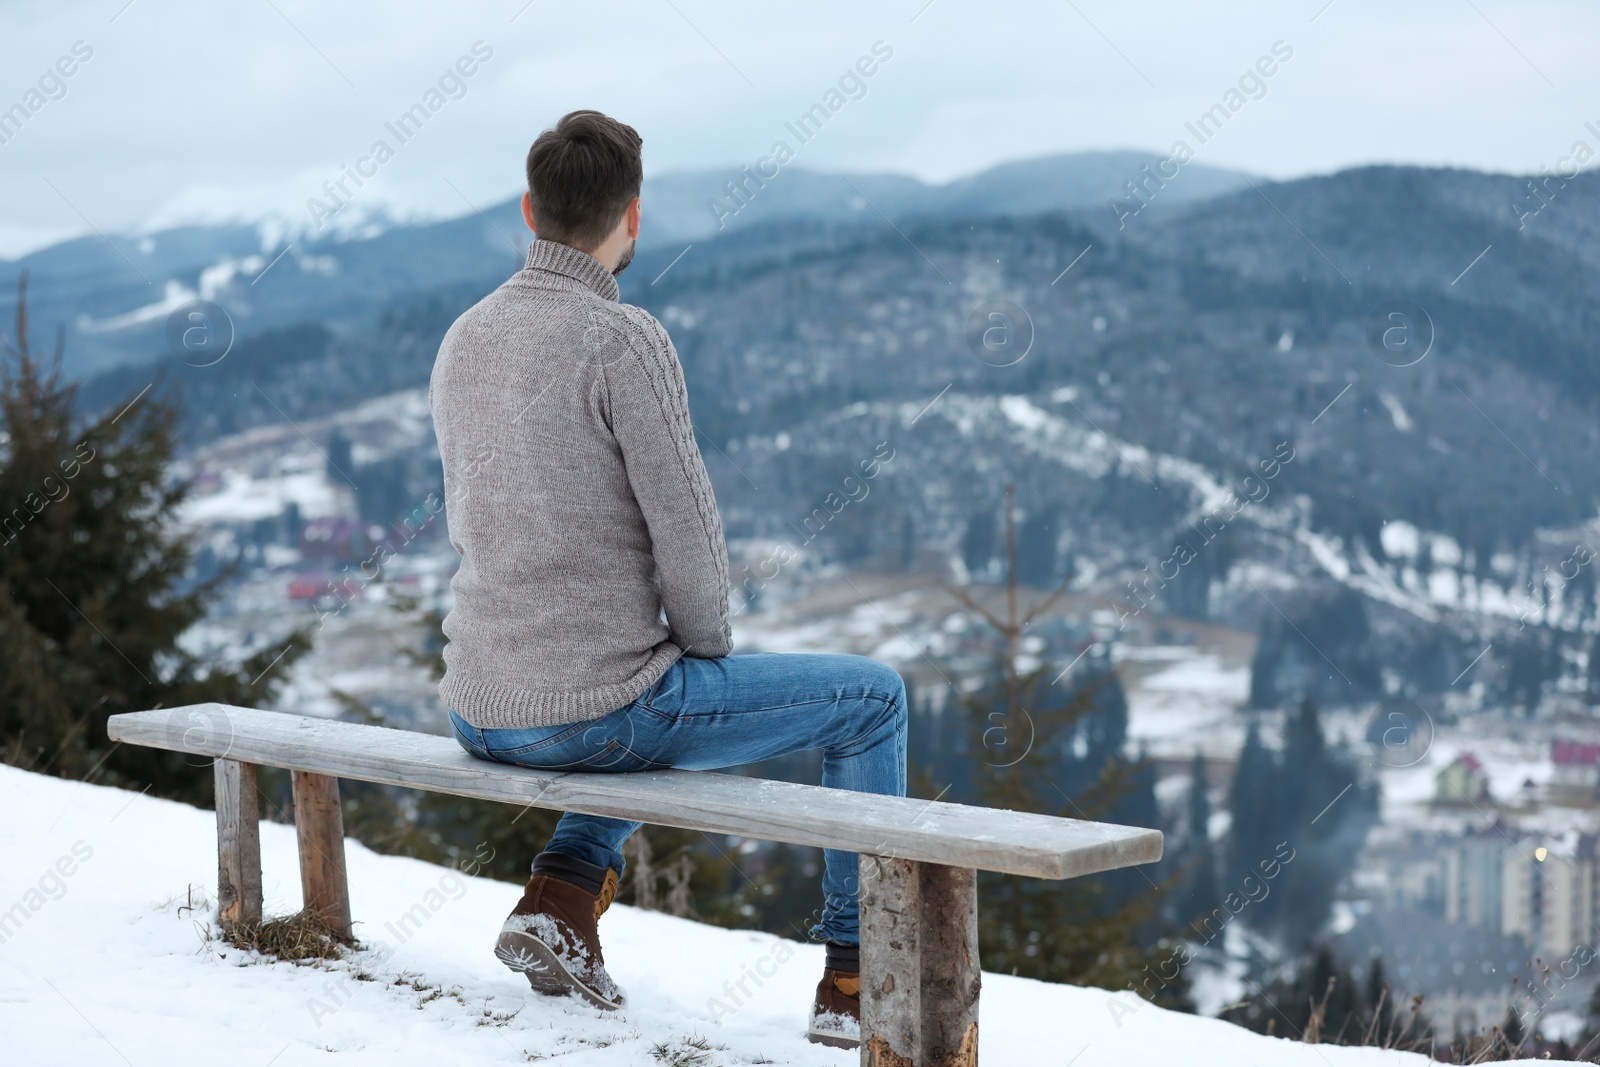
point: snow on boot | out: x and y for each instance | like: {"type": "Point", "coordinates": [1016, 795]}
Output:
{"type": "Point", "coordinates": [551, 936]}
{"type": "Point", "coordinates": [836, 1011]}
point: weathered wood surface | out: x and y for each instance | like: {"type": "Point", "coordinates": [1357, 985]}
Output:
{"type": "Point", "coordinates": [319, 826]}
{"type": "Point", "coordinates": [891, 962]}
{"type": "Point", "coordinates": [934, 832]}
{"type": "Point", "coordinates": [920, 978]}
{"type": "Point", "coordinates": [951, 977]}
{"type": "Point", "coordinates": [238, 842]}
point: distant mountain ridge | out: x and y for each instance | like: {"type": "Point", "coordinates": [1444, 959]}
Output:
{"type": "Point", "coordinates": [114, 296]}
{"type": "Point", "coordinates": [1201, 337]}
{"type": "Point", "coordinates": [686, 206]}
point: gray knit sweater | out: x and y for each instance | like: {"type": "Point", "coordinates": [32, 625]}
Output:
{"type": "Point", "coordinates": [591, 550]}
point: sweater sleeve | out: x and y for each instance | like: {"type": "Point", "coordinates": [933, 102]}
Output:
{"type": "Point", "coordinates": [649, 411]}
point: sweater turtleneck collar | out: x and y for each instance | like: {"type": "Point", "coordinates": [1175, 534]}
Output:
{"type": "Point", "coordinates": [571, 263]}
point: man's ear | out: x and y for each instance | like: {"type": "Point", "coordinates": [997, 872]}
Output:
{"type": "Point", "coordinates": [632, 215]}
{"type": "Point", "coordinates": [527, 211]}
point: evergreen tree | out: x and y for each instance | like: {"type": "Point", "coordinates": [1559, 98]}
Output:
{"type": "Point", "coordinates": [382, 490]}
{"type": "Point", "coordinates": [1513, 1035]}
{"type": "Point", "coordinates": [1315, 801]}
{"type": "Point", "coordinates": [1104, 728]}
{"type": "Point", "coordinates": [977, 543]}
{"type": "Point", "coordinates": [1324, 648]}
{"type": "Point", "coordinates": [1036, 552]}
{"type": "Point", "coordinates": [1250, 806]}
{"type": "Point", "coordinates": [341, 459]}
{"type": "Point", "coordinates": [1577, 596]}
{"type": "Point", "coordinates": [1533, 662]}
{"type": "Point", "coordinates": [1303, 743]}
{"type": "Point", "coordinates": [1189, 593]}
{"type": "Point", "coordinates": [293, 523]}
{"type": "Point", "coordinates": [1032, 735]}
{"type": "Point", "coordinates": [1264, 666]}
{"type": "Point", "coordinates": [1197, 821]}
{"type": "Point", "coordinates": [1200, 892]}
{"type": "Point", "coordinates": [1380, 999]}
{"type": "Point", "coordinates": [1589, 1039]}
{"type": "Point", "coordinates": [1320, 1002]}
{"type": "Point", "coordinates": [95, 589]}
{"type": "Point", "coordinates": [1591, 674]}
{"type": "Point", "coordinates": [1334, 998]}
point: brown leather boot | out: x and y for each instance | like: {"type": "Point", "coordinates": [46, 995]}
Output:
{"type": "Point", "coordinates": [552, 935]}
{"type": "Point", "coordinates": [836, 1011]}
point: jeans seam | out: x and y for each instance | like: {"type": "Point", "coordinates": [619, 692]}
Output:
{"type": "Point", "coordinates": [514, 762]}
{"type": "Point", "coordinates": [553, 739]}
{"type": "Point", "coordinates": [474, 747]}
{"type": "Point", "coordinates": [728, 712]}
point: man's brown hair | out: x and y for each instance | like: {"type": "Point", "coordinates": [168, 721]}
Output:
{"type": "Point", "coordinates": [582, 173]}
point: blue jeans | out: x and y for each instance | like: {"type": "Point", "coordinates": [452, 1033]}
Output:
{"type": "Point", "coordinates": [704, 714]}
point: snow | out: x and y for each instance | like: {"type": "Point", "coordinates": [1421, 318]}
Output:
{"type": "Point", "coordinates": [241, 497]}
{"type": "Point", "coordinates": [173, 296]}
{"type": "Point", "coordinates": [877, 629]}
{"type": "Point", "coordinates": [1400, 539]}
{"type": "Point", "coordinates": [1397, 411]}
{"type": "Point", "coordinates": [1190, 705]}
{"type": "Point", "coordinates": [213, 281]}
{"type": "Point", "coordinates": [105, 959]}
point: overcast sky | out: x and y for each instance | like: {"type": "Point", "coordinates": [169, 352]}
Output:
{"type": "Point", "coordinates": [198, 109]}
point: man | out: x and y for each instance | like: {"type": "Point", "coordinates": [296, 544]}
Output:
{"type": "Point", "coordinates": [590, 626]}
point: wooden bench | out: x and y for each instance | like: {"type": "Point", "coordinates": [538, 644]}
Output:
{"type": "Point", "coordinates": [918, 859]}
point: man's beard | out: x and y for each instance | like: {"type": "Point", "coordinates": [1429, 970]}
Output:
{"type": "Point", "coordinates": [627, 257]}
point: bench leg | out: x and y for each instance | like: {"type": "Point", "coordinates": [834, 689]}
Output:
{"type": "Point", "coordinates": [238, 843]}
{"type": "Point", "coordinates": [919, 964]}
{"type": "Point", "coordinates": [950, 974]}
{"type": "Point", "coordinates": [319, 825]}
{"type": "Point", "coordinates": [891, 962]}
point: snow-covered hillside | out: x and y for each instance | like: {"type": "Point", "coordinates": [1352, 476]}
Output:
{"type": "Point", "coordinates": [105, 958]}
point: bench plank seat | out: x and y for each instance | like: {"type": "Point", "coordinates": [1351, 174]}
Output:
{"type": "Point", "coordinates": [903, 828]}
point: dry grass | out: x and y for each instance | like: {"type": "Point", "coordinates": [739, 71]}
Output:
{"type": "Point", "coordinates": [297, 937]}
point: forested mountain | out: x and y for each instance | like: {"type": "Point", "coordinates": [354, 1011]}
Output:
{"type": "Point", "coordinates": [114, 294]}
{"type": "Point", "coordinates": [1155, 361]}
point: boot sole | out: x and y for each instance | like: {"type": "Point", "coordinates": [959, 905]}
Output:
{"type": "Point", "coordinates": [532, 958]}
{"type": "Point", "coordinates": [832, 1040]}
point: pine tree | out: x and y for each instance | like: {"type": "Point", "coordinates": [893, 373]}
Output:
{"type": "Point", "coordinates": [1251, 802]}
{"type": "Point", "coordinates": [95, 590]}
{"type": "Point", "coordinates": [341, 458]}
{"type": "Point", "coordinates": [1264, 666]}
{"type": "Point", "coordinates": [1027, 730]}
{"type": "Point", "coordinates": [977, 543]}
{"type": "Point", "coordinates": [1336, 1012]}
{"type": "Point", "coordinates": [1589, 1039]}
{"type": "Point", "coordinates": [1320, 1002]}
{"type": "Point", "coordinates": [1380, 1001]}
{"type": "Point", "coordinates": [1310, 798]}
{"type": "Point", "coordinates": [1036, 549]}
{"type": "Point", "coordinates": [1592, 673]}
{"type": "Point", "coordinates": [1303, 743]}
{"type": "Point", "coordinates": [1513, 1035]}
{"type": "Point", "coordinates": [1201, 892]}
{"type": "Point", "coordinates": [1198, 814]}
{"type": "Point", "coordinates": [1533, 662]}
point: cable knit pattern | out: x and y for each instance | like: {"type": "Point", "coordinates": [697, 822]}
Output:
{"type": "Point", "coordinates": [591, 549]}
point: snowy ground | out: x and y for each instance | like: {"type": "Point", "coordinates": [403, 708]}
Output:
{"type": "Point", "coordinates": [104, 961]}
{"type": "Point", "coordinates": [1188, 704]}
